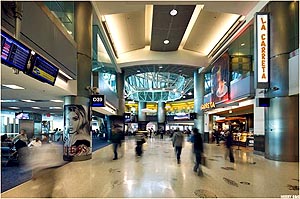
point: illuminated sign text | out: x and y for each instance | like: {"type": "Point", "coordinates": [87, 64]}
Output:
{"type": "Point", "coordinates": [262, 48]}
{"type": "Point", "coordinates": [208, 105]}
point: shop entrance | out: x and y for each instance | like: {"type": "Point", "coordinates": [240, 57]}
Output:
{"type": "Point", "coordinates": [241, 128]}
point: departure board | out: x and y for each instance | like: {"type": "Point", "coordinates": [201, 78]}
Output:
{"type": "Point", "coordinates": [13, 52]}
{"type": "Point", "coordinates": [43, 70]}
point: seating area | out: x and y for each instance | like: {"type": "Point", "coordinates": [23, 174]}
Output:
{"type": "Point", "coordinates": [9, 154]}
{"type": "Point", "coordinates": [11, 173]}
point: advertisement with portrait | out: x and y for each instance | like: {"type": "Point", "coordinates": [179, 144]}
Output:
{"type": "Point", "coordinates": [220, 79]}
{"type": "Point", "coordinates": [77, 136]}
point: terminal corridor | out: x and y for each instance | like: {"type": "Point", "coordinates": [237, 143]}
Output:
{"type": "Point", "coordinates": [157, 175]}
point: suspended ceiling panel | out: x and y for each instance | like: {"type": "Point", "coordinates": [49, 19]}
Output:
{"type": "Point", "coordinates": [165, 26]}
{"type": "Point", "coordinates": [209, 28]}
{"type": "Point", "coordinates": [123, 28]}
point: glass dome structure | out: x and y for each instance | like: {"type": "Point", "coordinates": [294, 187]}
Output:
{"type": "Point", "coordinates": [157, 86]}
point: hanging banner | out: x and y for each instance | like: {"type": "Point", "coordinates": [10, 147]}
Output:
{"type": "Point", "coordinates": [77, 136]}
{"type": "Point", "coordinates": [262, 43]}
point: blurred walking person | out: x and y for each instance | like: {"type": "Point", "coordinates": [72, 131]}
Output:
{"type": "Point", "coordinates": [198, 150]}
{"type": "Point", "coordinates": [116, 139]}
{"type": "Point", "coordinates": [178, 142]}
{"type": "Point", "coordinates": [229, 143]}
{"type": "Point", "coordinates": [43, 162]}
{"type": "Point", "coordinates": [140, 140]}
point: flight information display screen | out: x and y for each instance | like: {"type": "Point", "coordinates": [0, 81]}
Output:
{"type": "Point", "coordinates": [43, 70]}
{"type": "Point", "coordinates": [14, 53]}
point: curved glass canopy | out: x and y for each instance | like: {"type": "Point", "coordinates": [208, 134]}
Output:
{"type": "Point", "coordinates": [157, 86]}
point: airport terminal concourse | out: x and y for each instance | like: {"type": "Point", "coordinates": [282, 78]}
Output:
{"type": "Point", "coordinates": [150, 99]}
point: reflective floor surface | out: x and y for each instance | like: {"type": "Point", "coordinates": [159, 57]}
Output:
{"type": "Point", "coordinates": [157, 175]}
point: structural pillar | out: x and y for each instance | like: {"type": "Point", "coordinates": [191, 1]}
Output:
{"type": "Point", "coordinates": [120, 92]}
{"type": "Point", "coordinates": [198, 100]}
{"type": "Point", "coordinates": [282, 117]}
{"type": "Point", "coordinates": [161, 115]}
{"type": "Point", "coordinates": [161, 112]}
{"type": "Point", "coordinates": [141, 115]}
{"type": "Point", "coordinates": [77, 113]}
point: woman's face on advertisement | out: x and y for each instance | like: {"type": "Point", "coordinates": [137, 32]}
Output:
{"type": "Point", "coordinates": [73, 122]}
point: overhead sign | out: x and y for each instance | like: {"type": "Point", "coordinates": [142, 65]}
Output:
{"type": "Point", "coordinates": [97, 101]}
{"type": "Point", "coordinates": [14, 53]}
{"type": "Point", "coordinates": [262, 35]}
{"type": "Point", "coordinates": [43, 70]}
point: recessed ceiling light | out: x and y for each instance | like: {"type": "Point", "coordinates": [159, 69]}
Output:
{"type": "Point", "coordinates": [173, 12]}
{"type": "Point", "coordinates": [138, 71]}
{"type": "Point", "coordinates": [190, 93]}
{"type": "Point", "coordinates": [28, 101]}
{"type": "Point", "coordinates": [166, 41]}
{"type": "Point", "coordinates": [14, 107]}
{"type": "Point", "coordinates": [36, 107]}
{"type": "Point", "coordinates": [8, 101]}
{"type": "Point", "coordinates": [12, 86]}
{"type": "Point", "coordinates": [55, 107]}
{"type": "Point", "coordinates": [242, 44]}
{"type": "Point", "coordinates": [56, 101]}
{"type": "Point", "coordinates": [160, 67]}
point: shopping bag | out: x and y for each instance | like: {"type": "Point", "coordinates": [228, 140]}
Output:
{"type": "Point", "coordinates": [203, 160]}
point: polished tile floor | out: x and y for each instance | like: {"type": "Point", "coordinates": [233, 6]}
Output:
{"type": "Point", "coordinates": [157, 175]}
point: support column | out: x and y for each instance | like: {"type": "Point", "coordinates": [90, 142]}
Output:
{"type": "Point", "coordinates": [281, 119]}
{"type": "Point", "coordinates": [198, 100]}
{"type": "Point", "coordinates": [120, 92]}
{"type": "Point", "coordinates": [77, 114]}
{"type": "Point", "coordinates": [161, 112]}
{"type": "Point", "coordinates": [141, 115]}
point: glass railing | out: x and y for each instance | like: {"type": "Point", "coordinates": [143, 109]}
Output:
{"type": "Point", "coordinates": [64, 11]}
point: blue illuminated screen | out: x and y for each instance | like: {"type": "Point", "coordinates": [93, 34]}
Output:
{"type": "Point", "coordinates": [43, 70]}
{"type": "Point", "coordinates": [13, 52]}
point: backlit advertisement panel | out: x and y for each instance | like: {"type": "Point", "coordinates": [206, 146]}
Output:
{"type": "Point", "coordinates": [220, 79]}
{"type": "Point", "coordinates": [77, 136]}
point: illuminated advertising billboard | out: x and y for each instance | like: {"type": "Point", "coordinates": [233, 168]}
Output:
{"type": "Point", "coordinates": [220, 79]}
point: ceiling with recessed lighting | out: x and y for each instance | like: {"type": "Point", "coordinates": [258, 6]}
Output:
{"type": "Point", "coordinates": [138, 30]}
{"type": "Point", "coordinates": [168, 27]}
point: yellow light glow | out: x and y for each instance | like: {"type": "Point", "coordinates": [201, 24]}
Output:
{"type": "Point", "coordinates": [148, 23]}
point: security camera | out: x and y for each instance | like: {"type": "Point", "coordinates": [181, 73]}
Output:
{"type": "Point", "coordinates": [95, 90]}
